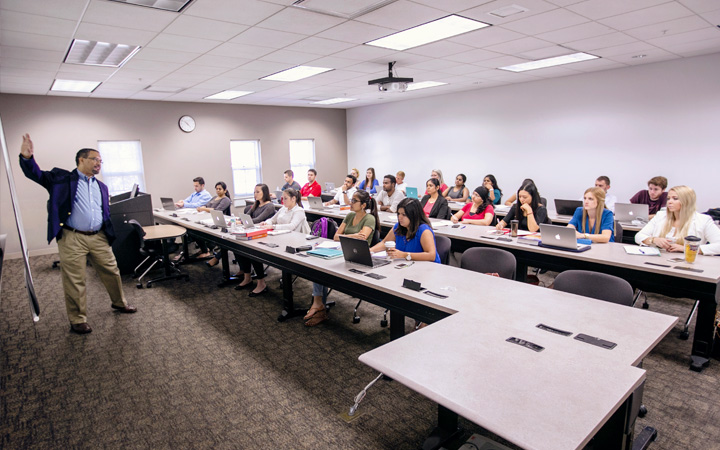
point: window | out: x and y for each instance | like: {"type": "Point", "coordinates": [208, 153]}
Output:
{"type": "Point", "coordinates": [302, 156]}
{"type": "Point", "coordinates": [245, 162]}
{"type": "Point", "coordinates": [122, 165]}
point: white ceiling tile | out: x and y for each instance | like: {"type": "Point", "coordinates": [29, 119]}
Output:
{"type": "Point", "coordinates": [96, 71]}
{"type": "Point", "coordinates": [635, 47]}
{"type": "Point", "coordinates": [288, 57]}
{"type": "Point", "coordinates": [693, 48]}
{"type": "Point", "coordinates": [651, 55]}
{"type": "Point", "coordinates": [368, 67]}
{"type": "Point", "coordinates": [481, 12]}
{"type": "Point", "coordinates": [31, 54]}
{"type": "Point", "coordinates": [518, 46]}
{"type": "Point", "coordinates": [600, 9]}
{"type": "Point", "coordinates": [20, 73]}
{"type": "Point", "coordinates": [462, 69]}
{"type": "Point", "coordinates": [34, 65]}
{"type": "Point", "coordinates": [709, 33]}
{"type": "Point", "coordinates": [204, 28]}
{"type": "Point", "coordinates": [220, 61]}
{"type": "Point", "coordinates": [401, 15]}
{"type": "Point", "coordinates": [79, 75]}
{"type": "Point", "coordinates": [431, 64]}
{"type": "Point", "coordinates": [200, 69]}
{"type": "Point", "coordinates": [22, 88]}
{"type": "Point", "coordinates": [115, 35]}
{"type": "Point", "coordinates": [29, 23]}
{"type": "Point", "coordinates": [647, 16]}
{"type": "Point", "coordinates": [500, 62]}
{"type": "Point", "coordinates": [487, 36]}
{"type": "Point", "coordinates": [319, 46]}
{"type": "Point", "coordinates": [440, 49]}
{"type": "Point", "coordinates": [34, 41]}
{"type": "Point", "coordinates": [510, 77]}
{"type": "Point", "coordinates": [701, 6]}
{"type": "Point", "coordinates": [136, 76]}
{"type": "Point", "coordinates": [545, 22]}
{"type": "Point", "coordinates": [607, 40]}
{"type": "Point", "coordinates": [576, 33]}
{"type": "Point", "coordinates": [156, 54]}
{"type": "Point", "coordinates": [42, 81]}
{"type": "Point", "coordinates": [67, 94]}
{"type": "Point", "coordinates": [263, 68]}
{"type": "Point", "coordinates": [545, 52]}
{"type": "Point", "coordinates": [595, 65]}
{"type": "Point", "coordinates": [668, 28]}
{"type": "Point", "coordinates": [405, 59]}
{"type": "Point", "coordinates": [333, 61]}
{"type": "Point", "coordinates": [564, 2]}
{"type": "Point", "coordinates": [145, 95]}
{"type": "Point", "coordinates": [158, 66]}
{"type": "Point", "coordinates": [267, 38]}
{"type": "Point", "coordinates": [71, 9]}
{"type": "Point", "coordinates": [166, 41]}
{"type": "Point", "coordinates": [713, 16]}
{"type": "Point", "coordinates": [473, 56]}
{"type": "Point", "coordinates": [452, 6]}
{"type": "Point", "coordinates": [240, 50]}
{"type": "Point", "coordinates": [300, 21]}
{"type": "Point", "coordinates": [246, 12]}
{"type": "Point", "coordinates": [364, 52]}
{"type": "Point", "coordinates": [184, 80]}
{"type": "Point", "coordinates": [356, 32]}
{"type": "Point", "coordinates": [128, 16]}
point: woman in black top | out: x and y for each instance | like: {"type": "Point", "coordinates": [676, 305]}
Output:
{"type": "Point", "coordinates": [439, 208]}
{"type": "Point", "coordinates": [527, 210]}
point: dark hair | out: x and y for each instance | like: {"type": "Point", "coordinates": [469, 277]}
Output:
{"type": "Point", "coordinates": [527, 181]}
{"type": "Point", "coordinates": [603, 178]}
{"type": "Point", "coordinates": [292, 193]}
{"type": "Point", "coordinates": [493, 180]}
{"type": "Point", "coordinates": [436, 182]}
{"type": "Point", "coordinates": [221, 183]}
{"type": "Point", "coordinates": [313, 171]}
{"type": "Point", "coordinates": [392, 178]}
{"type": "Point", "coordinates": [265, 198]}
{"type": "Point", "coordinates": [531, 189]}
{"type": "Point", "coordinates": [414, 213]}
{"type": "Point", "coordinates": [464, 178]}
{"type": "Point", "coordinates": [352, 177]}
{"type": "Point", "coordinates": [199, 180]}
{"type": "Point", "coordinates": [83, 153]}
{"type": "Point", "coordinates": [482, 191]}
{"type": "Point", "coordinates": [289, 172]}
{"type": "Point", "coordinates": [370, 203]}
{"type": "Point", "coordinates": [659, 181]}
{"type": "Point", "coordinates": [369, 184]}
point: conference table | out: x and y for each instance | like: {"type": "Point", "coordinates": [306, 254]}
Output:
{"type": "Point", "coordinates": [648, 273]}
{"type": "Point", "coordinates": [557, 398]}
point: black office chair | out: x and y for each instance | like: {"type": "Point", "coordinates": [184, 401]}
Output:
{"type": "Point", "coordinates": [443, 244]}
{"type": "Point", "coordinates": [489, 260]}
{"type": "Point", "coordinates": [612, 289]}
{"type": "Point", "coordinates": [618, 232]}
{"type": "Point", "coordinates": [152, 251]}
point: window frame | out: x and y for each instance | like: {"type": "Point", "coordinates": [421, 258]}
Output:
{"type": "Point", "coordinates": [257, 169]}
{"type": "Point", "coordinates": [108, 175]}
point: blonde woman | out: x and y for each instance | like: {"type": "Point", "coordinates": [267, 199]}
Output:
{"type": "Point", "coordinates": [356, 174]}
{"type": "Point", "coordinates": [668, 229]}
{"type": "Point", "coordinates": [437, 174]}
{"type": "Point", "coordinates": [592, 220]}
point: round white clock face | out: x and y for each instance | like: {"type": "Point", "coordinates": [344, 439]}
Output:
{"type": "Point", "coordinates": [187, 123]}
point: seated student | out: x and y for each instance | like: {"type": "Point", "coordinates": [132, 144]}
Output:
{"type": "Point", "coordinates": [654, 196]}
{"type": "Point", "coordinates": [513, 197]}
{"type": "Point", "coordinates": [344, 192]}
{"type": "Point", "coordinates": [312, 187]}
{"type": "Point", "coordinates": [290, 217]}
{"type": "Point", "coordinates": [592, 220]}
{"type": "Point", "coordinates": [356, 174]}
{"type": "Point", "coordinates": [668, 229]}
{"type": "Point", "coordinates": [370, 183]}
{"type": "Point", "coordinates": [494, 191]}
{"type": "Point", "coordinates": [221, 202]}
{"type": "Point", "coordinates": [603, 183]}
{"type": "Point", "coordinates": [459, 192]}
{"type": "Point", "coordinates": [390, 196]}
{"type": "Point", "coordinates": [478, 212]}
{"type": "Point", "coordinates": [413, 236]}
{"type": "Point", "coordinates": [198, 198]}
{"type": "Point", "coordinates": [360, 223]}
{"type": "Point", "coordinates": [290, 182]}
{"type": "Point", "coordinates": [401, 185]}
{"type": "Point", "coordinates": [434, 205]}
{"type": "Point", "coordinates": [437, 174]}
{"type": "Point", "coordinates": [528, 210]}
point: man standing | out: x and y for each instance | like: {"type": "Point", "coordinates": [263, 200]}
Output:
{"type": "Point", "coordinates": [390, 196]}
{"type": "Point", "coordinates": [312, 188]}
{"type": "Point", "coordinates": [603, 183]}
{"type": "Point", "coordinates": [79, 220]}
{"type": "Point", "coordinates": [198, 198]}
{"type": "Point", "coordinates": [345, 193]}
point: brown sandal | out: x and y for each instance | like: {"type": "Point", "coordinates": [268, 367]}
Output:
{"type": "Point", "coordinates": [213, 262]}
{"type": "Point", "coordinates": [312, 311]}
{"type": "Point", "coordinates": [317, 318]}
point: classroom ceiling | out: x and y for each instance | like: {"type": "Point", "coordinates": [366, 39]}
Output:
{"type": "Point", "coordinates": [216, 45]}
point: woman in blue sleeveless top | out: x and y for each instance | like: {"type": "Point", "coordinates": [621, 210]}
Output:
{"type": "Point", "coordinates": [413, 236]}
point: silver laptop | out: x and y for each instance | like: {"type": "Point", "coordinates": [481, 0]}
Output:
{"type": "Point", "coordinates": [168, 204]}
{"type": "Point", "coordinates": [218, 219]}
{"type": "Point", "coordinates": [626, 213]}
{"type": "Point", "coordinates": [278, 196]}
{"type": "Point", "coordinates": [329, 186]}
{"type": "Point", "coordinates": [315, 203]}
{"type": "Point", "coordinates": [562, 238]}
{"type": "Point", "coordinates": [358, 251]}
{"type": "Point", "coordinates": [246, 221]}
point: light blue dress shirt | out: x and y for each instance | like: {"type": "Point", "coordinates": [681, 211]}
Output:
{"type": "Point", "coordinates": [197, 199]}
{"type": "Point", "coordinates": [86, 214]}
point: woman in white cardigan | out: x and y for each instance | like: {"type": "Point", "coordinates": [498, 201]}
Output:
{"type": "Point", "coordinates": [668, 229]}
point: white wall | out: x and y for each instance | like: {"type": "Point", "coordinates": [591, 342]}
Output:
{"type": "Point", "coordinates": [60, 126]}
{"type": "Point", "coordinates": [629, 124]}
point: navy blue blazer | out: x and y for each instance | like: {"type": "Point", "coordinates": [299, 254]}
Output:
{"type": "Point", "coordinates": [62, 186]}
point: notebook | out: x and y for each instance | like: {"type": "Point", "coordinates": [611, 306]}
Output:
{"type": "Point", "coordinates": [168, 204]}
{"type": "Point", "coordinates": [561, 238]}
{"type": "Point", "coordinates": [567, 207]}
{"type": "Point", "coordinates": [626, 213]}
{"type": "Point", "coordinates": [326, 253]}
{"type": "Point", "coordinates": [411, 192]}
{"type": "Point", "coordinates": [358, 251]}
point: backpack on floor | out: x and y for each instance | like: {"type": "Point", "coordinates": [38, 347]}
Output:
{"type": "Point", "coordinates": [324, 227]}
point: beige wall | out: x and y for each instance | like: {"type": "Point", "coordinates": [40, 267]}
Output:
{"type": "Point", "coordinates": [59, 126]}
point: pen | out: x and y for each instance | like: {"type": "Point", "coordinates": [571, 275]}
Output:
{"type": "Point", "coordinates": [462, 227]}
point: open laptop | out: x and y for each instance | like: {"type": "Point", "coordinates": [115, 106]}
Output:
{"type": "Point", "coordinates": [626, 213]}
{"type": "Point", "coordinates": [329, 186]}
{"type": "Point", "coordinates": [561, 238]}
{"type": "Point", "coordinates": [246, 221]}
{"type": "Point", "coordinates": [278, 196]}
{"type": "Point", "coordinates": [567, 207]}
{"type": "Point", "coordinates": [358, 251]}
{"type": "Point", "coordinates": [315, 203]}
{"type": "Point", "coordinates": [411, 192]}
{"type": "Point", "coordinates": [218, 219]}
{"type": "Point", "coordinates": [168, 204]}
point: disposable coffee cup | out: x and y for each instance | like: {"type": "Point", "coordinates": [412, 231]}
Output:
{"type": "Point", "coordinates": [514, 227]}
{"type": "Point", "coordinates": [390, 245]}
{"type": "Point", "coordinates": [692, 246]}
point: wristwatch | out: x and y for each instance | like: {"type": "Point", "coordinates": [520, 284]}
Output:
{"type": "Point", "coordinates": [408, 257]}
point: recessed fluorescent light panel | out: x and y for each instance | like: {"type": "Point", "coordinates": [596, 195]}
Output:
{"type": "Point", "coordinates": [423, 85]}
{"type": "Point", "coordinates": [296, 73]}
{"type": "Point", "coordinates": [332, 101]}
{"type": "Point", "coordinates": [94, 53]}
{"type": "Point", "coordinates": [227, 95]}
{"type": "Point", "coordinates": [436, 30]}
{"type": "Point", "coordinates": [549, 62]}
{"type": "Point", "coordinates": [167, 5]}
{"type": "Point", "coordinates": [74, 85]}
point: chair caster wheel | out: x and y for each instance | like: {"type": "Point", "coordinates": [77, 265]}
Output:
{"type": "Point", "coordinates": [149, 285]}
{"type": "Point", "coordinates": [356, 319]}
{"type": "Point", "coordinates": [643, 411]}
{"type": "Point", "coordinates": [383, 323]}
{"type": "Point", "coordinates": [645, 306]}
{"type": "Point", "coordinates": [139, 286]}
{"type": "Point", "coordinates": [684, 335]}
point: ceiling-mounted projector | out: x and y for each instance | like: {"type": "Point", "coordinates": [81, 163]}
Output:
{"type": "Point", "coordinates": [391, 83]}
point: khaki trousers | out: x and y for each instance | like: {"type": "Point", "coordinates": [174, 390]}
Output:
{"type": "Point", "coordinates": [74, 250]}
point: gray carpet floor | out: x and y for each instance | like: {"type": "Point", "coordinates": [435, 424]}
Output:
{"type": "Point", "coordinates": [203, 367]}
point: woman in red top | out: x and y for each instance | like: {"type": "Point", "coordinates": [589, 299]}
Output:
{"type": "Point", "coordinates": [477, 212]}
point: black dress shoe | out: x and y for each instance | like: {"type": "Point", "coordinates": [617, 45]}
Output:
{"type": "Point", "coordinates": [256, 294]}
{"type": "Point", "coordinates": [240, 287]}
{"type": "Point", "coordinates": [80, 328]}
{"type": "Point", "coordinates": [125, 309]}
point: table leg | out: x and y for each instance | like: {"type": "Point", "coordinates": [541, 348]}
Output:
{"type": "Point", "coordinates": [447, 429]}
{"type": "Point", "coordinates": [171, 272]}
{"type": "Point", "coordinates": [289, 309]}
{"type": "Point", "coordinates": [521, 272]}
{"type": "Point", "coordinates": [227, 279]}
{"type": "Point", "coordinates": [397, 325]}
{"type": "Point", "coordinates": [704, 335]}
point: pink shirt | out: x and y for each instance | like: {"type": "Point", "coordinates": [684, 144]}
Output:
{"type": "Point", "coordinates": [468, 215]}
{"type": "Point", "coordinates": [428, 207]}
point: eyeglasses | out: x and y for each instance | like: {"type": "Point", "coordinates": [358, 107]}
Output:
{"type": "Point", "coordinates": [354, 200]}
{"type": "Point", "coordinates": [96, 159]}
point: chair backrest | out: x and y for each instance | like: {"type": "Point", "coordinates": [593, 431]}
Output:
{"type": "Point", "coordinates": [227, 211]}
{"type": "Point", "coordinates": [596, 285]}
{"type": "Point", "coordinates": [489, 260]}
{"type": "Point", "coordinates": [618, 232]}
{"type": "Point", "coordinates": [138, 231]}
{"type": "Point", "coordinates": [442, 245]}
{"type": "Point", "coordinates": [376, 238]}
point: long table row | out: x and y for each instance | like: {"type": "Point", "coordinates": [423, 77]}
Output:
{"type": "Point", "coordinates": [558, 398]}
